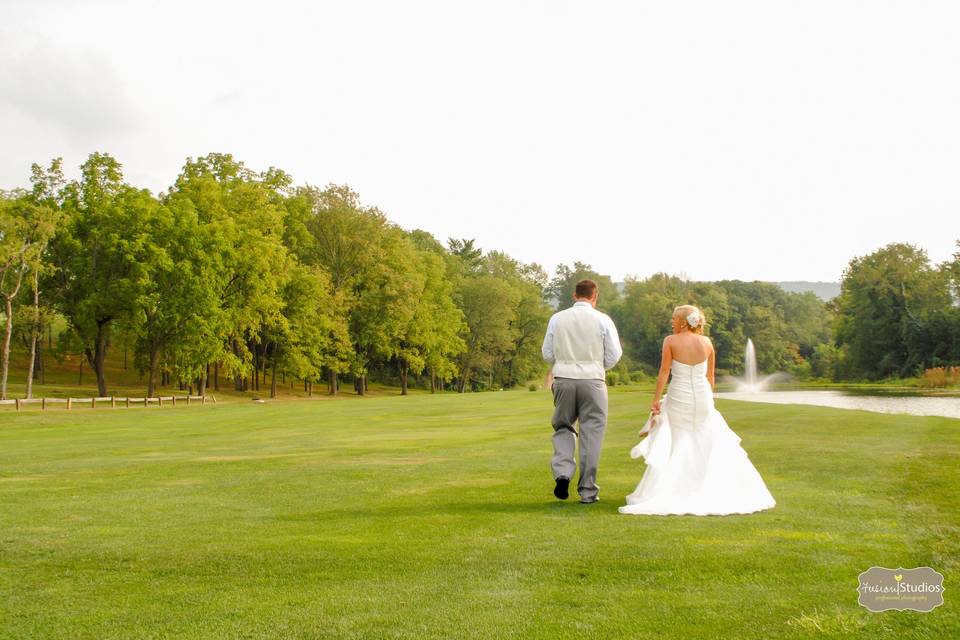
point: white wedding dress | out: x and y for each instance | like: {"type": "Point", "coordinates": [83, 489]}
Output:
{"type": "Point", "coordinates": [695, 464]}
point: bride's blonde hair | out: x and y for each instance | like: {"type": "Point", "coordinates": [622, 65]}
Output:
{"type": "Point", "coordinates": [686, 313]}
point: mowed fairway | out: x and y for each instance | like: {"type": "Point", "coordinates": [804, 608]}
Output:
{"type": "Point", "coordinates": [432, 517]}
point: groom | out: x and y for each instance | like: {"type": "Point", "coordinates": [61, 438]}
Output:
{"type": "Point", "coordinates": [581, 343]}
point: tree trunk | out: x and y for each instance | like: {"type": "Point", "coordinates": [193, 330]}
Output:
{"type": "Point", "coordinates": [273, 378]}
{"type": "Point", "coordinates": [34, 332]}
{"type": "Point", "coordinates": [263, 357]}
{"type": "Point", "coordinates": [6, 347]}
{"type": "Point", "coordinates": [41, 370]}
{"type": "Point", "coordinates": [202, 391]}
{"type": "Point", "coordinates": [80, 381]}
{"type": "Point", "coordinates": [152, 377]}
{"type": "Point", "coordinates": [98, 356]}
{"type": "Point", "coordinates": [334, 383]}
{"type": "Point", "coordinates": [433, 381]}
{"type": "Point", "coordinates": [255, 369]}
{"type": "Point", "coordinates": [404, 371]}
{"type": "Point", "coordinates": [216, 376]}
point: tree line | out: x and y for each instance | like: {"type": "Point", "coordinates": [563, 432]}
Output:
{"type": "Point", "coordinates": [238, 277]}
{"type": "Point", "coordinates": [897, 315]}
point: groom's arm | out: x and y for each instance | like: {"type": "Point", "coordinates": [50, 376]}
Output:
{"type": "Point", "coordinates": [612, 351]}
{"type": "Point", "coordinates": [547, 348]}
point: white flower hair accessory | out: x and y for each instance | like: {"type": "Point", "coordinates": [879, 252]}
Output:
{"type": "Point", "coordinates": [694, 319]}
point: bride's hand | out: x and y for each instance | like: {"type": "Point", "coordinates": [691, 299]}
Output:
{"type": "Point", "coordinates": [655, 407]}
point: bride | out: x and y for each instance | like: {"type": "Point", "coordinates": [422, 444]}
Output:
{"type": "Point", "coordinates": [695, 464]}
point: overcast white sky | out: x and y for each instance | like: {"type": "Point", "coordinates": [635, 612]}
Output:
{"type": "Point", "coordinates": [755, 140]}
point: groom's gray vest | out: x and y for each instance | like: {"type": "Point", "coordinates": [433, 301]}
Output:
{"type": "Point", "coordinates": [578, 344]}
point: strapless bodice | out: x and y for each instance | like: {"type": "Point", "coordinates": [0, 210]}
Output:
{"type": "Point", "coordinates": [690, 398]}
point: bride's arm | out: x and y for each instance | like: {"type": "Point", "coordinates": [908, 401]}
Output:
{"type": "Point", "coordinates": [665, 359]}
{"type": "Point", "coordinates": [712, 366]}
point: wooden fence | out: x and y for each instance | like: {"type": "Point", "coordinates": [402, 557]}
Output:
{"type": "Point", "coordinates": [111, 401]}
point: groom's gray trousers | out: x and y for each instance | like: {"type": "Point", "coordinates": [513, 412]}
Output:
{"type": "Point", "coordinates": [586, 401]}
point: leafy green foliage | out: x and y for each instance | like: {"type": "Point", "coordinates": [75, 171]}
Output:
{"type": "Point", "coordinates": [895, 315]}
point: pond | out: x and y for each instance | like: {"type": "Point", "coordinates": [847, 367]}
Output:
{"type": "Point", "coordinates": [914, 405]}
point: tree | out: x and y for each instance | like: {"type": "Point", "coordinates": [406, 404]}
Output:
{"type": "Point", "coordinates": [242, 214]}
{"type": "Point", "coordinates": [562, 285]}
{"type": "Point", "coordinates": [99, 256]}
{"type": "Point", "coordinates": [309, 334]}
{"type": "Point", "coordinates": [489, 306]}
{"type": "Point", "coordinates": [889, 303]}
{"type": "Point", "coordinates": [469, 254]}
{"type": "Point", "coordinates": [643, 316]}
{"type": "Point", "coordinates": [25, 227]}
{"type": "Point", "coordinates": [432, 339]}
{"type": "Point", "coordinates": [177, 306]}
{"type": "Point", "coordinates": [372, 270]}
{"type": "Point", "coordinates": [47, 192]}
{"type": "Point", "coordinates": [531, 314]}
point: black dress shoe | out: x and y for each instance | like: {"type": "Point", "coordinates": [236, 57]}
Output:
{"type": "Point", "coordinates": [562, 490]}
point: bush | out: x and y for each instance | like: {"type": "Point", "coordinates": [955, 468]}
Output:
{"type": "Point", "coordinates": [801, 370]}
{"type": "Point", "coordinates": [639, 377]}
{"type": "Point", "coordinates": [533, 386]}
{"type": "Point", "coordinates": [613, 378]}
{"type": "Point", "coordinates": [940, 377]}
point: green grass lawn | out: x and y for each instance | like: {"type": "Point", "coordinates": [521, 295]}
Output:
{"type": "Point", "coordinates": [432, 517]}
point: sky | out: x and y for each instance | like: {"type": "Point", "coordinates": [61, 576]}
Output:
{"type": "Point", "coordinates": [765, 140]}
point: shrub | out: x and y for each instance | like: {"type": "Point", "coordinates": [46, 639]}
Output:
{"type": "Point", "coordinates": [533, 386]}
{"type": "Point", "coordinates": [940, 377]}
{"type": "Point", "coordinates": [801, 370]}
{"type": "Point", "coordinates": [613, 378]}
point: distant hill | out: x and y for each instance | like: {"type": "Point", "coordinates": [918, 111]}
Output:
{"type": "Point", "coordinates": [824, 290]}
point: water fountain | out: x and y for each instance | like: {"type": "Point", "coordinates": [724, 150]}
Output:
{"type": "Point", "coordinates": [752, 382]}
{"type": "Point", "coordinates": [750, 365]}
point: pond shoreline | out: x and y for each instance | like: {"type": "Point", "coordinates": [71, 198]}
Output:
{"type": "Point", "coordinates": [917, 405]}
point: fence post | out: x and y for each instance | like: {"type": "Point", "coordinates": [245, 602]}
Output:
{"type": "Point", "coordinates": [93, 403]}
{"type": "Point", "coordinates": [188, 399]}
{"type": "Point", "coordinates": [17, 402]}
{"type": "Point", "coordinates": [203, 399]}
{"type": "Point", "coordinates": [43, 403]}
{"type": "Point", "coordinates": [128, 402]}
{"type": "Point", "coordinates": [113, 402]}
{"type": "Point", "coordinates": [159, 401]}
{"type": "Point", "coordinates": [173, 399]}
{"type": "Point", "coordinates": [69, 403]}
{"type": "Point", "coordinates": [144, 400]}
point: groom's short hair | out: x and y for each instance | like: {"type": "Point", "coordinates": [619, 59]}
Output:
{"type": "Point", "coordinates": [585, 289]}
